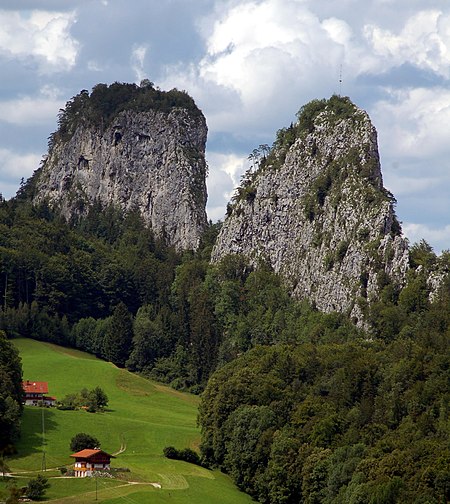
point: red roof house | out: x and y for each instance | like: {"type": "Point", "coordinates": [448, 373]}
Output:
{"type": "Point", "coordinates": [87, 461]}
{"type": "Point", "coordinates": [35, 394]}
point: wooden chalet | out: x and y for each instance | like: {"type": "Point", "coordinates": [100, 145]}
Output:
{"type": "Point", "coordinates": [87, 461]}
{"type": "Point", "coordinates": [35, 394]}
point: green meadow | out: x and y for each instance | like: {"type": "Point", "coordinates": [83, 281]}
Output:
{"type": "Point", "coordinates": [141, 419]}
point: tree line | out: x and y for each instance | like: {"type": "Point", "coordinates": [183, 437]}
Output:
{"type": "Point", "coordinates": [11, 395]}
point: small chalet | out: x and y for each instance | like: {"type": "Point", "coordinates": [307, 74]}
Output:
{"type": "Point", "coordinates": [35, 394]}
{"type": "Point", "coordinates": [87, 461]}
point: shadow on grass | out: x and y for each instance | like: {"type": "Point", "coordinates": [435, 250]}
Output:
{"type": "Point", "coordinates": [34, 421]}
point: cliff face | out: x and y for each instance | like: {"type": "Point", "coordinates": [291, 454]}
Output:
{"type": "Point", "coordinates": [152, 160]}
{"type": "Point", "coordinates": [316, 210]}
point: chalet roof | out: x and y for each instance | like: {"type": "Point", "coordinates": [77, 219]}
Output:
{"type": "Point", "coordinates": [88, 453]}
{"type": "Point", "coordinates": [35, 387]}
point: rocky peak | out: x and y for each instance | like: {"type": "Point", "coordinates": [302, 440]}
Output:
{"type": "Point", "coordinates": [133, 147]}
{"type": "Point", "coordinates": [315, 209]}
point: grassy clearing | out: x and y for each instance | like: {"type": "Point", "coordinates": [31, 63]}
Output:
{"type": "Point", "coordinates": [142, 418]}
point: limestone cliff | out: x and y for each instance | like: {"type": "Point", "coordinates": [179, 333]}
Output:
{"type": "Point", "coordinates": [316, 210]}
{"type": "Point", "coordinates": [137, 148]}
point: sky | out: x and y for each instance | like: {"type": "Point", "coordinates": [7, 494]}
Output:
{"type": "Point", "coordinates": [250, 65]}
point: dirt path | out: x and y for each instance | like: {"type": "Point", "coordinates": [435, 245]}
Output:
{"type": "Point", "coordinates": [123, 446]}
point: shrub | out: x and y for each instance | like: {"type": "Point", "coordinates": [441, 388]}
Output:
{"type": "Point", "coordinates": [170, 452]}
{"type": "Point", "coordinates": [307, 114]}
{"type": "Point", "coordinates": [94, 400]}
{"type": "Point", "coordinates": [36, 487]}
{"type": "Point", "coordinates": [190, 456]}
{"type": "Point", "coordinates": [341, 250]}
{"type": "Point", "coordinates": [81, 441]}
{"type": "Point", "coordinates": [328, 261]}
{"type": "Point", "coordinates": [186, 454]}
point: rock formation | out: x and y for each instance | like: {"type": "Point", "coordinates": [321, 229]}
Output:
{"type": "Point", "coordinates": [136, 148]}
{"type": "Point", "coordinates": [315, 209]}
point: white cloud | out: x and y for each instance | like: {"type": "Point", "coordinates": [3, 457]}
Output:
{"type": "Point", "coordinates": [94, 66]}
{"type": "Point", "coordinates": [224, 176]}
{"type": "Point", "coordinates": [13, 167]}
{"type": "Point", "coordinates": [423, 41]}
{"type": "Point", "coordinates": [338, 31]}
{"type": "Point", "coordinates": [257, 48]}
{"type": "Point", "coordinates": [415, 152]}
{"type": "Point", "coordinates": [439, 237]}
{"type": "Point", "coordinates": [234, 166]}
{"type": "Point", "coordinates": [264, 59]}
{"type": "Point", "coordinates": [414, 123]}
{"type": "Point", "coordinates": [29, 110]}
{"type": "Point", "coordinates": [403, 185]}
{"type": "Point", "coordinates": [41, 35]}
{"type": "Point", "coordinates": [138, 55]}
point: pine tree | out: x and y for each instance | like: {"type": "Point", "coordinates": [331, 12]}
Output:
{"type": "Point", "coordinates": [118, 338]}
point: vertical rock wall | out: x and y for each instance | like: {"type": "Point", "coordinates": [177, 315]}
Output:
{"type": "Point", "coordinates": [152, 161]}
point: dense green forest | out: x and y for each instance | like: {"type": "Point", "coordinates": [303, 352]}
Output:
{"type": "Point", "coordinates": [11, 395]}
{"type": "Point", "coordinates": [359, 422]}
{"type": "Point", "coordinates": [109, 287]}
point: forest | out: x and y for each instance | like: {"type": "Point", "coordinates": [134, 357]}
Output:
{"type": "Point", "coordinates": [11, 394]}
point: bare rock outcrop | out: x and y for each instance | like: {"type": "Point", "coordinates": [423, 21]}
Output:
{"type": "Point", "coordinates": [315, 209]}
{"type": "Point", "coordinates": [149, 158]}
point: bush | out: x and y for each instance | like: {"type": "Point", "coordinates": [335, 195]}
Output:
{"type": "Point", "coordinates": [170, 452]}
{"type": "Point", "coordinates": [341, 250]}
{"type": "Point", "coordinates": [190, 456]}
{"type": "Point", "coordinates": [307, 114]}
{"type": "Point", "coordinates": [82, 441]}
{"type": "Point", "coordinates": [36, 487]}
{"type": "Point", "coordinates": [68, 402]}
{"type": "Point", "coordinates": [93, 400]}
{"type": "Point", "coordinates": [186, 454]}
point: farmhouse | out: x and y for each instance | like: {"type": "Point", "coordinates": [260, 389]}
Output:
{"type": "Point", "coordinates": [35, 394]}
{"type": "Point", "coordinates": [87, 461]}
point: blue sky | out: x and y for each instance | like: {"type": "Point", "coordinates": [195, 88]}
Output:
{"type": "Point", "coordinates": [250, 65]}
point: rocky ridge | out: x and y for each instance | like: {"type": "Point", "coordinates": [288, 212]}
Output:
{"type": "Point", "coordinates": [149, 159]}
{"type": "Point", "coordinates": [315, 209]}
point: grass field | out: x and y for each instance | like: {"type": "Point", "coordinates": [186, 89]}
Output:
{"type": "Point", "coordinates": [142, 418]}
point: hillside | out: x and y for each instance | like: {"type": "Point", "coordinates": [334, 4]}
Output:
{"type": "Point", "coordinates": [142, 418]}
